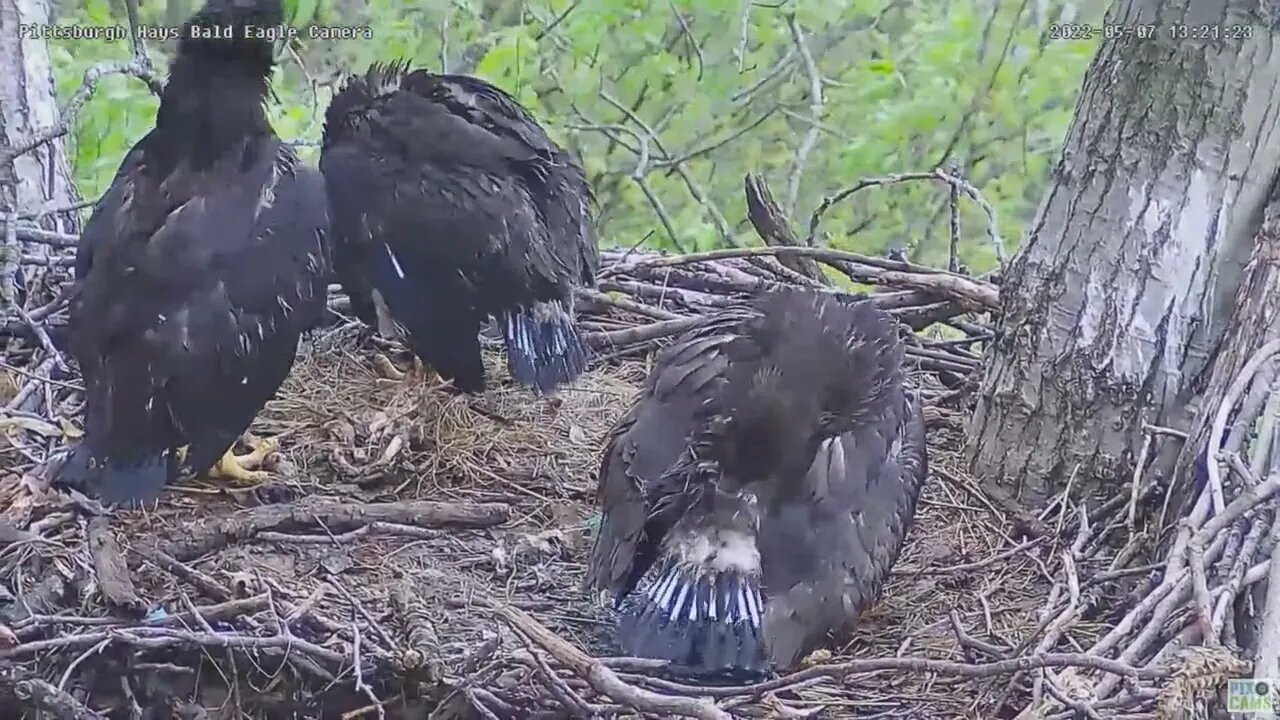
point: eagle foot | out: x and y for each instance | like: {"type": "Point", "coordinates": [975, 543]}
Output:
{"type": "Point", "coordinates": [418, 373]}
{"type": "Point", "coordinates": [387, 369]}
{"type": "Point", "coordinates": [240, 469]}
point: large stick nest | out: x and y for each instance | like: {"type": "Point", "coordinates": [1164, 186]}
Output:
{"type": "Point", "coordinates": [420, 554]}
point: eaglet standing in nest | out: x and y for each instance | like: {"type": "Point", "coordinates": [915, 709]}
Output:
{"type": "Point", "coordinates": [757, 493]}
{"type": "Point", "coordinates": [198, 272]}
{"type": "Point", "coordinates": [451, 205]}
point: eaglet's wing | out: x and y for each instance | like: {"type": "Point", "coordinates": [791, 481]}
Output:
{"type": "Point", "coordinates": [188, 314]}
{"type": "Point", "coordinates": [558, 183]}
{"type": "Point", "coordinates": [827, 553]}
{"type": "Point", "coordinates": [640, 500]}
{"type": "Point", "coordinates": [100, 229]}
{"type": "Point", "coordinates": [446, 194]}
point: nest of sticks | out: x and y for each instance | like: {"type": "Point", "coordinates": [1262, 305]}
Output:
{"type": "Point", "coordinates": [419, 554]}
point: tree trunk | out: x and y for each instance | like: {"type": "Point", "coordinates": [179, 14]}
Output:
{"type": "Point", "coordinates": [41, 179]}
{"type": "Point", "coordinates": [1121, 296]}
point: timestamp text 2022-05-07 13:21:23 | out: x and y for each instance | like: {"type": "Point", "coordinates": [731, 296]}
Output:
{"type": "Point", "coordinates": [1111, 31]}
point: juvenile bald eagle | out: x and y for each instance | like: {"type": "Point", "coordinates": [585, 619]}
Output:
{"type": "Point", "coordinates": [199, 269]}
{"type": "Point", "coordinates": [451, 205]}
{"type": "Point", "coordinates": [757, 493]}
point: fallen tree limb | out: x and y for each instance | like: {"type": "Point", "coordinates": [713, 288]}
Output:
{"type": "Point", "coordinates": [207, 534]}
{"type": "Point", "coordinates": [114, 581]}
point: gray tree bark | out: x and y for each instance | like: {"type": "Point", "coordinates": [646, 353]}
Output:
{"type": "Point", "coordinates": [1116, 305]}
{"type": "Point", "coordinates": [40, 179]}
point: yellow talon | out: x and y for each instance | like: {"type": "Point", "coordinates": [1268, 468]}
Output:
{"type": "Point", "coordinates": [417, 372]}
{"type": "Point", "coordinates": [240, 469]}
{"type": "Point", "coordinates": [387, 369]}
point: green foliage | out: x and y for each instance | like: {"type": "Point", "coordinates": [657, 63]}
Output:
{"type": "Point", "coordinates": [300, 13]}
{"type": "Point", "coordinates": [906, 85]}
{"type": "Point", "coordinates": [120, 112]}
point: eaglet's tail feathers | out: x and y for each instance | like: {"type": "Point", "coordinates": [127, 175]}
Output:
{"type": "Point", "coordinates": [702, 610]}
{"type": "Point", "coordinates": [543, 347]}
{"type": "Point", "coordinates": [113, 480]}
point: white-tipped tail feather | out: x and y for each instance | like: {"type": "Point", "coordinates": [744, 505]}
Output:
{"type": "Point", "coordinates": [543, 347]}
{"type": "Point", "coordinates": [679, 593]}
{"type": "Point", "coordinates": [702, 609]}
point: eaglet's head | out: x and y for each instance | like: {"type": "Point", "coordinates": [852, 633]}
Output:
{"type": "Point", "coordinates": [234, 30]}
{"type": "Point", "coordinates": [766, 433]}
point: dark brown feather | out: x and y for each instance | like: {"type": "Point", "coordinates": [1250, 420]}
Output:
{"type": "Point", "coordinates": [198, 271]}
{"type": "Point", "coordinates": [452, 205]}
{"type": "Point", "coordinates": [784, 420]}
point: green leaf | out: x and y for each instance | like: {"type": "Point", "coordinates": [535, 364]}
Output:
{"type": "Point", "coordinates": [881, 66]}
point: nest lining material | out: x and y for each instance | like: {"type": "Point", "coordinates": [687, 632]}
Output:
{"type": "Point", "coordinates": [416, 518]}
